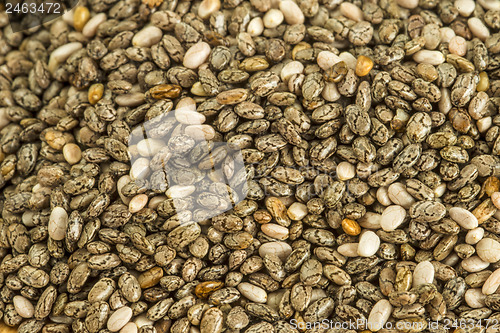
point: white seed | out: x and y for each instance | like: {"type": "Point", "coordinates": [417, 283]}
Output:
{"type": "Point", "coordinates": [478, 28]}
{"type": "Point", "coordinates": [369, 244]}
{"type": "Point", "coordinates": [189, 117]}
{"type": "Point", "coordinates": [149, 147]}
{"type": "Point", "coordinates": [330, 92]}
{"type": "Point", "coordinates": [392, 217]}
{"type": "Point", "coordinates": [90, 28]}
{"type": "Point", "coordinates": [119, 318]}
{"type": "Point", "coordinates": [446, 34]}
{"type": "Point", "coordinates": [196, 55]}
{"type": "Point", "coordinates": [155, 201]}
{"type": "Point", "coordinates": [429, 57]}
{"type": "Point", "coordinates": [489, 4]}
{"type": "Point", "coordinates": [370, 220]}
{"type": "Point", "coordinates": [275, 231]}
{"type": "Point", "coordinates": [327, 59]}
{"type": "Point", "coordinates": [142, 320]}
{"type": "Point", "coordinates": [458, 46]}
{"type": "Point", "coordinates": [297, 211]}
{"type": "Point", "coordinates": [58, 223]}
{"type": "Point", "coordinates": [207, 8]}
{"type": "Point", "coordinates": [147, 36]}
{"type": "Point", "coordinates": [474, 235]}
{"type": "Point", "coordinates": [186, 104]}
{"type": "Point", "coordinates": [131, 99]}
{"type": "Point", "coordinates": [293, 67]}
{"type": "Point", "coordinates": [180, 191]}
{"type": "Point", "coordinates": [348, 250]}
{"type": "Point", "coordinates": [273, 18]}
{"type": "Point", "coordinates": [280, 249]}
{"type": "Point", "coordinates": [484, 124]}
{"type": "Point", "coordinates": [61, 54]}
{"type": "Point", "coordinates": [137, 203]}
{"type": "Point", "coordinates": [383, 196]}
{"type": "Point", "coordinates": [27, 218]}
{"type": "Point", "coordinates": [463, 217]}
{"type": "Point", "coordinates": [452, 259]}
{"type": "Point", "coordinates": [475, 298]}
{"type": "Point", "coordinates": [440, 190]}
{"type": "Point", "coordinates": [349, 59]}
{"type": "Point", "coordinates": [400, 196]}
{"type": "Point", "coordinates": [72, 153]}
{"type": "Point", "coordinates": [122, 181]}
{"type": "Point", "coordinates": [23, 306]}
{"type": "Point", "coordinates": [465, 7]}
{"type": "Point", "coordinates": [379, 314]}
{"type": "Point", "coordinates": [140, 168]}
{"type": "Point", "coordinates": [351, 11]}
{"type": "Point", "coordinates": [68, 16]}
{"type": "Point", "coordinates": [409, 4]}
{"type": "Point", "coordinates": [200, 132]}
{"type": "Point", "coordinates": [474, 264]}
{"type": "Point", "coordinates": [445, 103]}
{"type": "Point", "coordinates": [423, 273]}
{"type": "Point", "coordinates": [346, 171]}
{"type": "Point", "coordinates": [291, 11]}
{"type": "Point", "coordinates": [488, 250]}
{"type": "Point", "coordinates": [492, 282]}
{"type": "Point", "coordinates": [255, 27]}
{"type": "Point", "coordinates": [252, 292]}
{"type": "Point", "coordinates": [129, 328]}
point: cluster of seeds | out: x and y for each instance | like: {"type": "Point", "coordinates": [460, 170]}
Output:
{"type": "Point", "coordinates": [368, 190]}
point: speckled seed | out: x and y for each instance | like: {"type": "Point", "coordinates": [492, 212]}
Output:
{"type": "Point", "coordinates": [463, 217]}
{"type": "Point", "coordinates": [58, 223]}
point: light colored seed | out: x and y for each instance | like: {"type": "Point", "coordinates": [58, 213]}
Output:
{"type": "Point", "coordinates": [297, 211]}
{"type": "Point", "coordinates": [147, 36]}
{"type": "Point", "coordinates": [275, 231]}
{"type": "Point", "coordinates": [489, 4]}
{"type": "Point", "coordinates": [330, 92]}
{"type": "Point", "coordinates": [423, 273]}
{"type": "Point", "coordinates": [90, 29]}
{"type": "Point", "coordinates": [351, 11]}
{"type": "Point", "coordinates": [273, 18]}
{"type": "Point", "coordinates": [80, 17]}
{"type": "Point", "coordinates": [58, 223]}
{"type": "Point", "coordinates": [484, 124]}
{"type": "Point", "coordinates": [137, 203]}
{"type": "Point", "coordinates": [475, 298]}
{"type": "Point", "coordinates": [207, 8]}
{"type": "Point", "coordinates": [140, 168]}
{"type": "Point", "coordinates": [348, 250]}
{"type": "Point", "coordinates": [379, 314]}
{"type": "Point", "coordinates": [492, 282]}
{"type": "Point", "coordinates": [349, 59]}
{"type": "Point", "coordinates": [196, 55]}
{"type": "Point", "coordinates": [186, 104]}
{"type": "Point", "coordinates": [23, 307]}
{"type": "Point", "coordinates": [255, 27]}
{"type": "Point", "coordinates": [484, 82]}
{"type": "Point", "coordinates": [119, 318]}
{"type": "Point", "coordinates": [392, 217]}
{"type": "Point", "coordinates": [129, 328]}
{"type": "Point", "coordinates": [189, 117]}
{"type": "Point", "coordinates": [370, 220]}
{"type": "Point", "coordinates": [252, 292]}
{"type": "Point", "coordinates": [345, 171]}
{"type": "Point", "coordinates": [180, 191]}
{"type": "Point", "coordinates": [478, 28]}
{"type": "Point", "coordinates": [290, 69]}
{"type": "Point", "coordinates": [409, 4]}
{"type": "Point", "coordinates": [475, 235]}
{"type": "Point", "coordinates": [488, 250]}
{"type": "Point", "coordinates": [200, 132]}
{"type": "Point", "coordinates": [95, 93]}
{"type": "Point", "coordinates": [369, 243]}
{"type": "Point", "coordinates": [465, 7]}
{"type": "Point", "coordinates": [351, 227]}
{"type": "Point", "coordinates": [122, 181]}
{"type": "Point", "coordinates": [446, 34]}
{"type": "Point", "coordinates": [280, 249]}
{"type": "Point", "coordinates": [463, 217]}
{"type": "Point", "coordinates": [363, 66]}
{"type": "Point", "coordinates": [130, 99]}
{"type": "Point", "coordinates": [383, 196]}
{"type": "Point", "coordinates": [198, 90]}
{"type": "Point", "coordinates": [61, 54]}
{"type": "Point", "coordinates": [149, 147]}
{"type": "Point", "coordinates": [327, 59]}
{"type": "Point", "coordinates": [458, 46]}
{"type": "Point", "coordinates": [72, 153]}
{"type": "Point", "coordinates": [430, 57]}
{"type": "Point", "coordinates": [291, 11]}
{"type": "Point", "coordinates": [474, 264]}
{"type": "Point", "coordinates": [400, 196]}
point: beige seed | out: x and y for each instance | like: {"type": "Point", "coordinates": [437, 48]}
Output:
{"type": "Point", "coordinates": [330, 93]}
{"type": "Point", "coordinates": [423, 273]}
{"type": "Point", "coordinates": [252, 292]}
{"type": "Point", "coordinates": [207, 8]}
{"type": "Point", "coordinates": [345, 171]}
{"type": "Point", "coordinates": [383, 196]}
{"type": "Point", "coordinates": [400, 196]}
{"type": "Point", "coordinates": [273, 18]}
{"type": "Point", "coordinates": [58, 223]}
{"type": "Point", "coordinates": [429, 57]}
{"type": "Point", "coordinates": [186, 104]}
{"type": "Point", "coordinates": [297, 211]}
{"type": "Point", "coordinates": [495, 198]}
{"type": "Point", "coordinates": [458, 46]}
{"type": "Point", "coordinates": [291, 11]}
{"type": "Point", "coordinates": [351, 11]}
{"type": "Point", "coordinates": [140, 168]}
{"type": "Point", "coordinates": [23, 307]}
{"type": "Point", "coordinates": [409, 4]}
{"type": "Point", "coordinates": [72, 153]}
{"type": "Point", "coordinates": [255, 27]}
{"type": "Point", "coordinates": [369, 244]}
{"type": "Point", "coordinates": [474, 235]}
{"type": "Point", "coordinates": [370, 220]}
{"type": "Point", "coordinates": [484, 124]}
{"type": "Point", "coordinates": [147, 36]}
{"type": "Point", "coordinates": [392, 217]}
{"type": "Point", "coordinates": [492, 282]}
{"type": "Point", "coordinates": [465, 7]}
{"type": "Point", "coordinates": [290, 69]}
{"type": "Point", "coordinates": [189, 117]}
{"type": "Point", "coordinates": [463, 217]}
{"type": "Point", "coordinates": [474, 264]}
{"type": "Point", "coordinates": [280, 249]}
{"type": "Point", "coordinates": [478, 28]}
{"type": "Point", "coordinates": [90, 29]}
{"type": "Point", "coordinates": [61, 54]}
{"type": "Point", "coordinates": [275, 231]}
{"type": "Point", "coordinates": [196, 55]}
{"type": "Point", "coordinates": [137, 203]}
{"type": "Point", "coordinates": [475, 298]}
{"type": "Point", "coordinates": [348, 250]}
{"type": "Point", "coordinates": [119, 319]}
{"type": "Point", "coordinates": [488, 250]}
{"type": "Point", "coordinates": [379, 315]}
{"type": "Point", "coordinates": [154, 202]}
{"type": "Point", "coordinates": [149, 147]}
{"type": "Point", "coordinates": [200, 132]}
{"type": "Point", "coordinates": [180, 191]}
{"type": "Point", "coordinates": [446, 34]}
{"type": "Point", "coordinates": [122, 181]}
{"type": "Point", "coordinates": [129, 328]}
